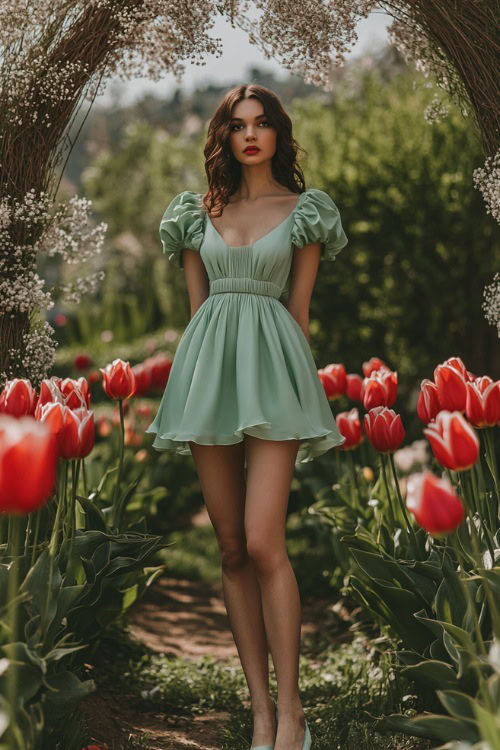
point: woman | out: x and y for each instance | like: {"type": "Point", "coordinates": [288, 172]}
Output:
{"type": "Point", "coordinates": [243, 394]}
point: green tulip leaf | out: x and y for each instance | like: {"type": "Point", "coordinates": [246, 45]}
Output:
{"type": "Point", "coordinates": [432, 674]}
{"type": "Point", "coordinates": [458, 704]}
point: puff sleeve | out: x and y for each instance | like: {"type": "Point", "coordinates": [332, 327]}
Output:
{"type": "Point", "coordinates": [317, 219]}
{"type": "Point", "coordinates": [182, 225]}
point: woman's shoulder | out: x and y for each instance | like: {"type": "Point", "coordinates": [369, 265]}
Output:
{"type": "Point", "coordinates": [182, 224]}
{"type": "Point", "coordinates": [187, 199]}
{"type": "Point", "coordinates": [317, 219]}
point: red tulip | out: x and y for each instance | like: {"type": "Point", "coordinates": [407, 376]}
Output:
{"type": "Point", "coordinates": [428, 404]}
{"type": "Point", "coordinates": [75, 393]}
{"type": "Point", "coordinates": [453, 441]}
{"type": "Point", "coordinates": [482, 406]}
{"type": "Point", "coordinates": [82, 362]}
{"type": "Point", "coordinates": [159, 370]}
{"type": "Point", "coordinates": [380, 388]}
{"type": "Point", "coordinates": [104, 427]}
{"type": "Point", "coordinates": [451, 389]}
{"type": "Point", "coordinates": [354, 386]}
{"type": "Point", "coordinates": [18, 398]}
{"type": "Point", "coordinates": [28, 464]}
{"type": "Point", "coordinates": [350, 427]}
{"type": "Point", "coordinates": [86, 432]}
{"type": "Point", "coordinates": [143, 377]}
{"type": "Point", "coordinates": [334, 380]}
{"type": "Point", "coordinates": [143, 410]}
{"type": "Point", "coordinates": [50, 391]}
{"type": "Point", "coordinates": [118, 380]}
{"type": "Point", "coordinates": [434, 503]}
{"type": "Point", "coordinates": [373, 364]}
{"type": "Point", "coordinates": [384, 429]}
{"type": "Point", "coordinates": [93, 377]}
{"type": "Point", "coordinates": [73, 429]}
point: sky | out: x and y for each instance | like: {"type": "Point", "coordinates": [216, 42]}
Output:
{"type": "Point", "coordinates": [238, 55]}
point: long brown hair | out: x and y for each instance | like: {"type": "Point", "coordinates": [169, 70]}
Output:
{"type": "Point", "coordinates": [223, 170]}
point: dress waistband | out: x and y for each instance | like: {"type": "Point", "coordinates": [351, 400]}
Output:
{"type": "Point", "coordinates": [245, 285]}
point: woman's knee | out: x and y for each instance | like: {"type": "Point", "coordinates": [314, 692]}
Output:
{"type": "Point", "coordinates": [266, 555]}
{"type": "Point", "coordinates": [233, 553]}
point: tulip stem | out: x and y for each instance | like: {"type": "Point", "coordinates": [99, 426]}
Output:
{"type": "Point", "coordinates": [12, 673]}
{"type": "Point", "coordinates": [482, 686]}
{"type": "Point", "coordinates": [486, 533]}
{"type": "Point", "coordinates": [60, 502]}
{"type": "Point", "coordinates": [354, 503]}
{"type": "Point", "coordinates": [27, 534]}
{"type": "Point", "coordinates": [492, 459]}
{"type": "Point", "coordinates": [37, 532]}
{"type": "Point", "coordinates": [120, 465]}
{"type": "Point", "coordinates": [74, 484]}
{"type": "Point", "coordinates": [486, 584]}
{"type": "Point", "coordinates": [389, 498]}
{"type": "Point", "coordinates": [403, 507]}
{"type": "Point", "coordinates": [84, 477]}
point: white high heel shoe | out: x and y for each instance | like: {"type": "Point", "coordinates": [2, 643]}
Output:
{"type": "Point", "coordinates": [307, 739]}
{"type": "Point", "coordinates": [268, 747]}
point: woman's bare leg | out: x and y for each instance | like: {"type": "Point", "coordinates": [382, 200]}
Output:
{"type": "Point", "coordinates": [221, 473]}
{"type": "Point", "coordinates": [270, 466]}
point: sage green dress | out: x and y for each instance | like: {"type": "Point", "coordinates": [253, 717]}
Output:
{"type": "Point", "coordinates": [243, 364]}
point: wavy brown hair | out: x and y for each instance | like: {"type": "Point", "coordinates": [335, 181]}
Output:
{"type": "Point", "coordinates": [223, 170]}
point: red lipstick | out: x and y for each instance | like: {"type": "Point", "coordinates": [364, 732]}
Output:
{"type": "Point", "coordinates": [251, 150]}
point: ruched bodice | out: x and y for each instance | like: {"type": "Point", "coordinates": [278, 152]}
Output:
{"type": "Point", "coordinates": [243, 364]}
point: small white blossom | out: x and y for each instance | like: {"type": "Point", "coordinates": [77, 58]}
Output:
{"type": "Point", "coordinates": [487, 181]}
{"type": "Point", "coordinates": [491, 304]}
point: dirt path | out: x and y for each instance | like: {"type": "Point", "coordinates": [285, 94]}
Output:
{"type": "Point", "coordinates": [187, 619]}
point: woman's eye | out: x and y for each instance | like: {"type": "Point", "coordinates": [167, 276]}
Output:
{"type": "Point", "coordinates": [263, 122]}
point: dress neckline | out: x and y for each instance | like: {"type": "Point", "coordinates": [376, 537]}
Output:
{"type": "Point", "coordinates": [238, 247]}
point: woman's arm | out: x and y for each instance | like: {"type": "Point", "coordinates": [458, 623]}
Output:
{"type": "Point", "coordinates": [303, 275]}
{"type": "Point", "coordinates": [196, 278]}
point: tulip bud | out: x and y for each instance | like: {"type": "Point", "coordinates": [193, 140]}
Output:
{"type": "Point", "coordinates": [384, 429]}
{"type": "Point", "coordinates": [118, 380]}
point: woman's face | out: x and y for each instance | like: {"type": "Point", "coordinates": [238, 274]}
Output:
{"type": "Point", "coordinates": [250, 127]}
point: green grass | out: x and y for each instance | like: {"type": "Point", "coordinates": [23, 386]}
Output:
{"type": "Point", "coordinates": [346, 676]}
{"type": "Point", "coordinates": [195, 555]}
{"type": "Point", "coordinates": [341, 685]}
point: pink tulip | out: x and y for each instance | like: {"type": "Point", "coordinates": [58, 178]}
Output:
{"type": "Point", "coordinates": [434, 503]}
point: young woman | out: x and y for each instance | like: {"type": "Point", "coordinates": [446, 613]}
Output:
{"type": "Point", "coordinates": [243, 395]}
